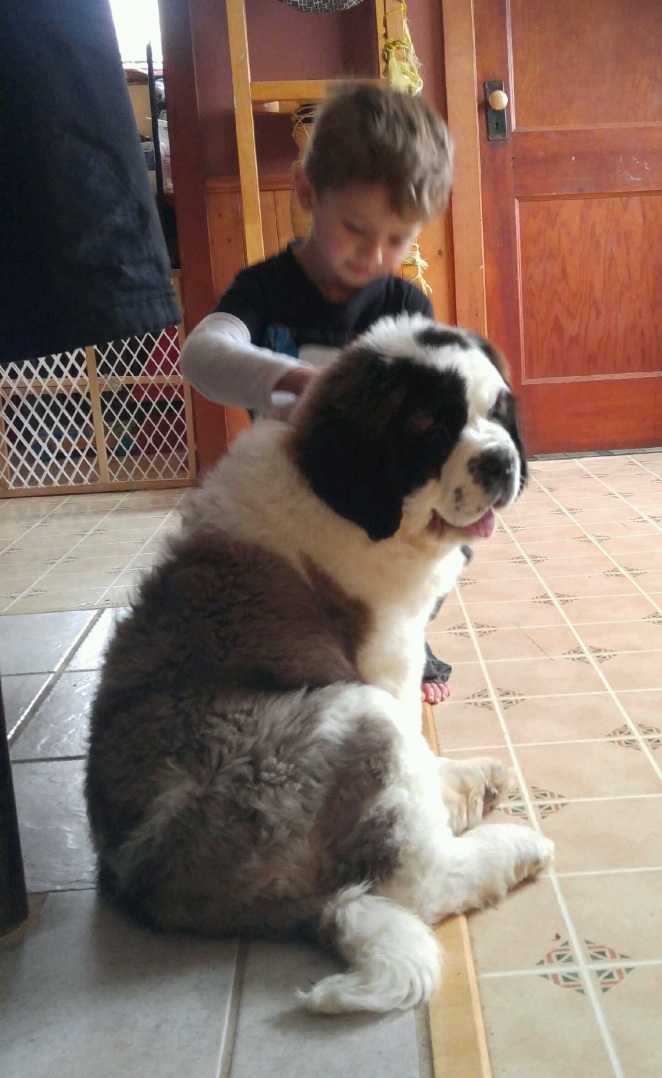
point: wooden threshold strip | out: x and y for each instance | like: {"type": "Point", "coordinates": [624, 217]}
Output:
{"type": "Point", "coordinates": [457, 1032]}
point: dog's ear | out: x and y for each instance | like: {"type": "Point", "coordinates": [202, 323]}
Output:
{"type": "Point", "coordinates": [367, 435]}
{"type": "Point", "coordinates": [505, 410]}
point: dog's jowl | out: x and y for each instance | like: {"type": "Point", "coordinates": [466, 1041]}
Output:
{"type": "Point", "coordinates": [256, 761]}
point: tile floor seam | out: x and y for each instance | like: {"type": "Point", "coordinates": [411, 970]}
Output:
{"type": "Point", "coordinates": [52, 681]}
{"type": "Point", "coordinates": [574, 937]}
{"type": "Point", "coordinates": [595, 665]}
{"type": "Point", "coordinates": [231, 1025]}
{"type": "Point", "coordinates": [53, 568]}
{"type": "Point", "coordinates": [137, 553]}
{"type": "Point", "coordinates": [540, 971]}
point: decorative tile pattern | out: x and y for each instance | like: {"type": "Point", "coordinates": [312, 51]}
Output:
{"type": "Point", "coordinates": [562, 955]}
{"type": "Point", "coordinates": [623, 736]}
{"type": "Point", "coordinates": [578, 654]}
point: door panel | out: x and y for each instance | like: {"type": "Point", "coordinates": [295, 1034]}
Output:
{"type": "Point", "coordinates": [572, 215]}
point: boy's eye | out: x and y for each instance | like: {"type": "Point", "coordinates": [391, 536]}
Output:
{"type": "Point", "coordinates": [356, 229]}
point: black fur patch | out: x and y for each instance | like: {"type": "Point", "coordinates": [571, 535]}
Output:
{"type": "Point", "coordinates": [375, 431]}
{"type": "Point", "coordinates": [441, 336]}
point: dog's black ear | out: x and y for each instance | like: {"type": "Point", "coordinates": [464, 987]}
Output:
{"type": "Point", "coordinates": [505, 410]}
{"type": "Point", "coordinates": [367, 436]}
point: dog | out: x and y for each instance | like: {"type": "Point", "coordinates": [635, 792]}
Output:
{"type": "Point", "coordinates": [256, 764]}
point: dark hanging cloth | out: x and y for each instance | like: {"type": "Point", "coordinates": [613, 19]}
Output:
{"type": "Point", "coordinates": [82, 255]}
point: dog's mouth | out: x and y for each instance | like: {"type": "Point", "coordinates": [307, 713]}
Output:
{"type": "Point", "coordinates": [480, 529]}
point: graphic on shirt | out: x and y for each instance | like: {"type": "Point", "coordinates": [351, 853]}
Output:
{"type": "Point", "coordinates": [289, 341]}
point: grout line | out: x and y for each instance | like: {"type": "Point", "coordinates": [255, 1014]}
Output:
{"type": "Point", "coordinates": [609, 871]}
{"type": "Point", "coordinates": [543, 971]}
{"type": "Point", "coordinates": [55, 675]}
{"type": "Point", "coordinates": [229, 1032]}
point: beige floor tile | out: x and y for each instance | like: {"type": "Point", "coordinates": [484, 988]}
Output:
{"type": "Point", "coordinates": [517, 614]}
{"type": "Point", "coordinates": [561, 528]}
{"type": "Point", "coordinates": [536, 642]}
{"type": "Point", "coordinates": [606, 835]}
{"type": "Point", "coordinates": [537, 1027]}
{"type": "Point", "coordinates": [635, 670]}
{"type": "Point", "coordinates": [620, 912]}
{"type": "Point", "coordinates": [644, 708]}
{"type": "Point", "coordinates": [632, 1009]}
{"type": "Point", "coordinates": [515, 569]}
{"type": "Point", "coordinates": [519, 931]}
{"type": "Point", "coordinates": [624, 636]}
{"type": "Point", "coordinates": [609, 582]}
{"type": "Point", "coordinates": [562, 718]}
{"type": "Point", "coordinates": [580, 564]}
{"type": "Point", "coordinates": [542, 677]}
{"type": "Point", "coordinates": [588, 769]}
{"type": "Point", "coordinates": [608, 608]}
{"type": "Point", "coordinates": [469, 684]}
{"type": "Point", "coordinates": [495, 591]}
{"type": "Point", "coordinates": [463, 726]}
{"type": "Point", "coordinates": [453, 647]}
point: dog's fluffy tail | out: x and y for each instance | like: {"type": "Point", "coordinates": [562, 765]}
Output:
{"type": "Point", "coordinates": [394, 959]}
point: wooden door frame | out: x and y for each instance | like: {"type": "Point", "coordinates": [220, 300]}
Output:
{"type": "Point", "coordinates": [466, 202]}
{"type": "Point", "coordinates": [214, 425]}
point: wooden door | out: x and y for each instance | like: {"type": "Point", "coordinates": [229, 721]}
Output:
{"type": "Point", "coordinates": [572, 214]}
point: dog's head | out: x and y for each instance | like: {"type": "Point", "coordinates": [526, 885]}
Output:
{"type": "Point", "coordinates": [415, 426]}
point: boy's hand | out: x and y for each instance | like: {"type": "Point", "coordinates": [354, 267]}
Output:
{"type": "Point", "coordinates": [296, 380]}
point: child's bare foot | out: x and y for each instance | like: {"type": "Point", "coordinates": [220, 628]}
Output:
{"type": "Point", "coordinates": [436, 673]}
{"type": "Point", "coordinates": [434, 692]}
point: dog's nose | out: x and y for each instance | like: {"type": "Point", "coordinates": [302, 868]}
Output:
{"type": "Point", "coordinates": [495, 470]}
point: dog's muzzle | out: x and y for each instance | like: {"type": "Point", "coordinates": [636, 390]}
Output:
{"type": "Point", "coordinates": [497, 471]}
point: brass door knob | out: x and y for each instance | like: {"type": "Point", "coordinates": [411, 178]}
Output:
{"type": "Point", "coordinates": [498, 100]}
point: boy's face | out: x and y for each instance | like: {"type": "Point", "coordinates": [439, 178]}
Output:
{"type": "Point", "coordinates": [356, 235]}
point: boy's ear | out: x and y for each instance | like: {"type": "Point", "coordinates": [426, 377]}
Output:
{"type": "Point", "coordinates": [303, 187]}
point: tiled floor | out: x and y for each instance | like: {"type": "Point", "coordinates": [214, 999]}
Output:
{"type": "Point", "coordinates": [556, 640]}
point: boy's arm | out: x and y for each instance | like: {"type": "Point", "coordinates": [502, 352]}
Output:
{"type": "Point", "coordinates": [220, 361]}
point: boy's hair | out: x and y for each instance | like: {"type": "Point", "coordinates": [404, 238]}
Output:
{"type": "Point", "coordinates": [367, 132]}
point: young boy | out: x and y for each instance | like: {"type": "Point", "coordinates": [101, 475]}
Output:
{"type": "Point", "coordinates": [377, 168]}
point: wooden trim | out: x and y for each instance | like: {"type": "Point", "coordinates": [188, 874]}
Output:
{"type": "Point", "coordinates": [290, 90]}
{"type": "Point", "coordinates": [230, 184]}
{"type": "Point", "coordinates": [457, 1032]}
{"type": "Point", "coordinates": [190, 206]}
{"type": "Point", "coordinates": [243, 109]}
{"type": "Point", "coordinates": [466, 201]}
{"type": "Point", "coordinates": [97, 417]}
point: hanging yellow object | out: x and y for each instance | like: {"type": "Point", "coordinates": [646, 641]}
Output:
{"type": "Point", "coordinates": [403, 68]}
{"type": "Point", "coordinates": [403, 73]}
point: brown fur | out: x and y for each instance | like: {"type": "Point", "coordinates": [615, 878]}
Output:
{"type": "Point", "coordinates": [184, 718]}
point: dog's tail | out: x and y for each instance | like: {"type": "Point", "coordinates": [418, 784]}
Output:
{"type": "Point", "coordinates": [394, 959]}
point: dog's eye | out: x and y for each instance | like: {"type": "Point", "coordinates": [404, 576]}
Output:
{"type": "Point", "coordinates": [420, 422]}
{"type": "Point", "coordinates": [503, 409]}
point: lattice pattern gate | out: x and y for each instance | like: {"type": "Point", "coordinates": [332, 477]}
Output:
{"type": "Point", "coordinates": [107, 417]}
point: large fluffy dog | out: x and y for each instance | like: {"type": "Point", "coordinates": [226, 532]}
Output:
{"type": "Point", "coordinates": [256, 760]}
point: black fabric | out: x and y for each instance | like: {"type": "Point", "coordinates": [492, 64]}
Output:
{"type": "Point", "coordinates": [83, 256]}
{"type": "Point", "coordinates": [283, 310]}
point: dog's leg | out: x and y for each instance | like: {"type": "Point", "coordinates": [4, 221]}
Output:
{"type": "Point", "coordinates": [470, 788]}
{"type": "Point", "coordinates": [481, 866]}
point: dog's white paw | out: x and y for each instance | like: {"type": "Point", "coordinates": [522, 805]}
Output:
{"type": "Point", "coordinates": [470, 788]}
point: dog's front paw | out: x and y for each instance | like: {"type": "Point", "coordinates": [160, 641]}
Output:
{"type": "Point", "coordinates": [470, 788]}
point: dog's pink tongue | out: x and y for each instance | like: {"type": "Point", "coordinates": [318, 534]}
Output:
{"type": "Point", "coordinates": [484, 527]}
